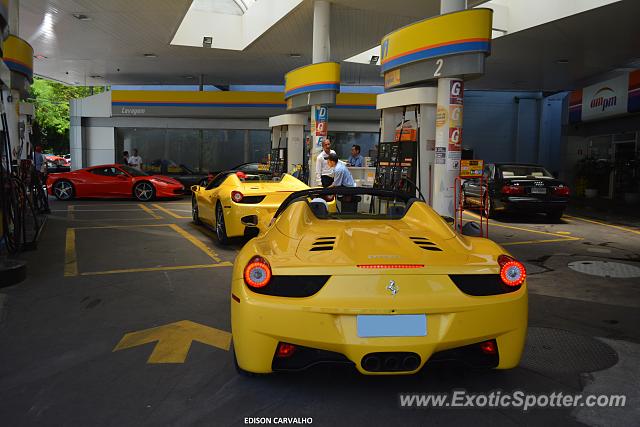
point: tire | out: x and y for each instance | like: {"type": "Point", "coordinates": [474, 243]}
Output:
{"type": "Point", "coordinates": [221, 229]}
{"type": "Point", "coordinates": [144, 191]}
{"type": "Point", "coordinates": [194, 211]}
{"type": "Point", "coordinates": [490, 212]}
{"type": "Point", "coordinates": [555, 215]}
{"type": "Point", "coordinates": [63, 190]}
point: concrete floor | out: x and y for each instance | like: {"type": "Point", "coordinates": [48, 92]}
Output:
{"type": "Point", "coordinates": [105, 269]}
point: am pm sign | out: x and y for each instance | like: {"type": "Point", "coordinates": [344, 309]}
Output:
{"type": "Point", "coordinates": [471, 168]}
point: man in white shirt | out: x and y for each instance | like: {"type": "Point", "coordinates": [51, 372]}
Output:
{"type": "Point", "coordinates": [324, 172]}
{"type": "Point", "coordinates": [135, 161]}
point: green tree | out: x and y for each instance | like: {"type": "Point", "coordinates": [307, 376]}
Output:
{"type": "Point", "coordinates": [51, 127]}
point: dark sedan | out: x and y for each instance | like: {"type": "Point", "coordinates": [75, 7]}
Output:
{"type": "Point", "coordinates": [179, 172]}
{"type": "Point", "coordinates": [516, 187]}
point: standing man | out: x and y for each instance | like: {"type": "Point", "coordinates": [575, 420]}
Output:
{"type": "Point", "coordinates": [341, 175]}
{"type": "Point", "coordinates": [135, 161]}
{"type": "Point", "coordinates": [356, 160]}
{"type": "Point", "coordinates": [125, 158]}
{"type": "Point", "coordinates": [324, 172]}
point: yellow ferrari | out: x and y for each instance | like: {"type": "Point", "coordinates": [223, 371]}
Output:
{"type": "Point", "coordinates": [382, 283]}
{"type": "Point", "coordinates": [236, 202]}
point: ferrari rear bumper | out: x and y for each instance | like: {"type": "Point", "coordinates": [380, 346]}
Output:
{"type": "Point", "coordinates": [260, 323]}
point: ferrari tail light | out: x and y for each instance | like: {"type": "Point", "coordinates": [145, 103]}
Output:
{"type": "Point", "coordinates": [328, 197]}
{"type": "Point", "coordinates": [489, 347]}
{"type": "Point", "coordinates": [257, 274]}
{"type": "Point", "coordinates": [512, 189]}
{"type": "Point", "coordinates": [394, 266]}
{"type": "Point", "coordinates": [561, 190]}
{"type": "Point", "coordinates": [512, 272]}
{"type": "Point", "coordinates": [285, 350]}
{"type": "Point", "coordinates": [237, 196]}
{"type": "Point", "coordinates": [241, 175]}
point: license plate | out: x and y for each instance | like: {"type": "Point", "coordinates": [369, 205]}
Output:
{"type": "Point", "coordinates": [538, 190]}
{"type": "Point", "coordinates": [398, 325]}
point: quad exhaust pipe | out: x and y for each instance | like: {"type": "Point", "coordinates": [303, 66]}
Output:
{"type": "Point", "coordinates": [390, 362]}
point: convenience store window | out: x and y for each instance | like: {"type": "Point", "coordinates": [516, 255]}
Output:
{"type": "Point", "coordinates": [200, 150]}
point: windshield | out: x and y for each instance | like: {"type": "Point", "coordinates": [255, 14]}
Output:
{"type": "Point", "coordinates": [523, 171]}
{"type": "Point", "coordinates": [133, 171]}
{"type": "Point", "coordinates": [352, 203]}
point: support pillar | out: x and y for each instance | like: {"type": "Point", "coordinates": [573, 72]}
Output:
{"type": "Point", "coordinates": [321, 53]}
{"type": "Point", "coordinates": [448, 141]}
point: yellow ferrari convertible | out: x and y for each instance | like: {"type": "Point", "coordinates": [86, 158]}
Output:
{"type": "Point", "coordinates": [236, 202]}
{"type": "Point", "coordinates": [382, 283]}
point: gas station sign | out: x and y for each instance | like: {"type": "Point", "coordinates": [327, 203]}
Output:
{"type": "Point", "coordinates": [471, 168]}
{"type": "Point", "coordinates": [315, 84]}
{"type": "Point", "coordinates": [454, 44]}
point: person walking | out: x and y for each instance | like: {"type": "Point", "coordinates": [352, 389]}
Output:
{"type": "Point", "coordinates": [324, 173]}
{"type": "Point", "coordinates": [135, 161]}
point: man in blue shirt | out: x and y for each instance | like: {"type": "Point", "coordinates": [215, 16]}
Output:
{"type": "Point", "coordinates": [356, 160]}
{"type": "Point", "coordinates": [341, 175]}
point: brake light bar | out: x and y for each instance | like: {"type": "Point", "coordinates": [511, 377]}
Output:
{"type": "Point", "coordinates": [390, 266]}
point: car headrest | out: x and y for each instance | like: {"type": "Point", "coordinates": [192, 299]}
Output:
{"type": "Point", "coordinates": [319, 208]}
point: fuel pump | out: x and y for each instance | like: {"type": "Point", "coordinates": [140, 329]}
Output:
{"type": "Point", "coordinates": [287, 143]}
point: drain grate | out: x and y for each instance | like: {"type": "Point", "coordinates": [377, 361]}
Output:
{"type": "Point", "coordinates": [615, 270]}
{"type": "Point", "coordinates": [551, 350]}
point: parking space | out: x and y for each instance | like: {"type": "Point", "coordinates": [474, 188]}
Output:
{"type": "Point", "coordinates": [126, 320]}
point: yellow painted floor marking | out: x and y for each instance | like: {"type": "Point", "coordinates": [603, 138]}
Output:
{"type": "Point", "coordinates": [173, 341]}
{"type": "Point", "coordinates": [148, 269]}
{"type": "Point", "coordinates": [531, 242]}
{"type": "Point", "coordinates": [149, 211]}
{"type": "Point", "coordinates": [70, 212]}
{"type": "Point", "coordinates": [190, 237]}
{"type": "Point", "coordinates": [91, 227]}
{"type": "Point", "coordinates": [168, 212]}
{"type": "Point", "coordinates": [563, 232]}
{"type": "Point", "coordinates": [70, 261]}
{"type": "Point", "coordinates": [618, 227]}
{"type": "Point", "coordinates": [492, 222]}
{"type": "Point", "coordinates": [71, 266]}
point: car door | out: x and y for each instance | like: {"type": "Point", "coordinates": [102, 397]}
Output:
{"type": "Point", "coordinates": [108, 181]}
{"type": "Point", "coordinates": [208, 198]}
{"type": "Point", "coordinates": [122, 183]}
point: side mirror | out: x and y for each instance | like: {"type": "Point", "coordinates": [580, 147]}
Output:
{"type": "Point", "coordinates": [471, 229]}
{"type": "Point", "coordinates": [195, 188]}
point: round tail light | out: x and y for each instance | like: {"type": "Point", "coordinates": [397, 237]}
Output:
{"type": "Point", "coordinates": [237, 196]}
{"type": "Point", "coordinates": [512, 272]}
{"type": "Point", "coordinates": [257, 274]}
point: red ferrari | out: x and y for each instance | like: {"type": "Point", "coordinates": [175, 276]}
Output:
{"type": "Point", "coordinates": [115, 181]}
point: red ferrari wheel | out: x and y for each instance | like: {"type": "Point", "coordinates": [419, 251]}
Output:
{"type": "Point", "coordinates": [144, 191]}
{"type": "Point", "coordinates": [63, 190]}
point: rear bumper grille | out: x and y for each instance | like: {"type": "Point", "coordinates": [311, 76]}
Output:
{"type": "Point", "coordinates": [481, 284]}
{"type": "Point", "coordinates": [293, 286]}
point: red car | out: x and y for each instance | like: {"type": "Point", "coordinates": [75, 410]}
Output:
{"type": "Point", "coordinates": [112, 181]}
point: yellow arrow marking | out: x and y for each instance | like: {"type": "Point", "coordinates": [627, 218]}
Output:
{"type": "Point", "coordinates": [174, 340]}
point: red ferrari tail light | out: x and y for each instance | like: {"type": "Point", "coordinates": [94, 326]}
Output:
{"type": "Point", "coordinates": [489, 347]}
{"type": "Point", "coordinates": [512, 272]}
{"type": "Point", "coordinates": [512, 189]}
{"type": "Point", "coordinates": [561, 190]}
{"type": "Point", "coordinates": [328, 197]}
{"type": "Point", "coordinates": [237, 196]}
{"type": "Point", "coordinates": [285, 350]}
{"type": "Point", "coordinates": [257, 274]}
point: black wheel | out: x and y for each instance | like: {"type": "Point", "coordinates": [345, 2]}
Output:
{"type": "Point", "coordinates": [144, 191]}
{"type": "Point", "coordinates": [221, 229]}
{"type": "Point", "coordinates": [194, 210]}
{"type": "Point", "coordinates": [63, 190]}
{"type": "Point", "coordinates": [555, 215]}
{"type": "Point", "coordinates": [489, 211]}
